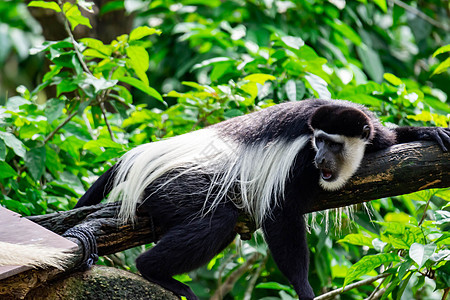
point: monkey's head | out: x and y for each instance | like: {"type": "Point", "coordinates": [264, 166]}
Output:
{"type": "Point", "coordinates": [340, 136]}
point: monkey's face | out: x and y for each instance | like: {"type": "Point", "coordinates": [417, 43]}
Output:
{"type": "Point", "coordinates": [337, 158]}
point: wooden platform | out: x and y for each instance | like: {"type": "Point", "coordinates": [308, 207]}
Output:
{"type": "Point", "coordinates": [18, 230]}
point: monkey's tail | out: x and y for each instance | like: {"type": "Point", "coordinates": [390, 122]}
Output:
{"type": "Point", "coordinates": [98, 191]}
{"type": "Point", "coordinates": [33, 256]}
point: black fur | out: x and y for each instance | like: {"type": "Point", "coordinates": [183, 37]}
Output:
{"type": "Point", "coordinates": [191, 239]}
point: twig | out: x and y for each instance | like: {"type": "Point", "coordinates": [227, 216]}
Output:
{"type": "Point", "coordinates": [252, 282]}
{"type": "Point", "coordinates": [425, 211]}
{"type": "Point", "coordinates": [50, 136]}
{"type": "Point", "coordinates": [222, 268]}
{"type": "Point", "coordinates": [226, 287]}
{"type": "Point", "coordinates": [72, 39]}
{"type": "Point", "coordinates": [446, 293]}
{"type": "Point", "coordinates": [336, 292]}
{"type": "Point", "coordinates": [102, 107]}
{"type": "Point", "coordinates": [420, 14]}
{"type": "Point", "coordinates": [375, 291]}
{"type": "Point", "coordinates": [380, 293]}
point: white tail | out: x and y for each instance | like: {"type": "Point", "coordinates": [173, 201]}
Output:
{"type": "Point", "coordinates": [33, 256]}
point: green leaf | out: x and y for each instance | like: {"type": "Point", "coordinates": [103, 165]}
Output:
{"type": "Point", "coordinates": [295, 90]}
{"type": "Point", "coordinates": [345, 30]}
{"type": "Point", "coordinates": [357, 239]}
{"type": "Point", "coordinates": [101, 83]}
{"type": "Point", "coordinates": [443, 276]}
{"type": "Point", "coordinates": [52, 161]}
{"type": "Point", "coordinates": [35, 162]}
{"type": "Point", "coordinates": [381, 4]}
{"type": "Point", "coordinates": [74, 16]}
{"type": "Point", "coordinates": [14, 143]}
{"type": "Point", "coordinates": [367, 264]}
{"type": "Point", "coordinates": [442, 217]}
{"type": "Point", "coordinates": [97, 45]}
{"type": "Point", "coordinates": [6, 170]}
{"type": "Point", "coordinates": [54, 109]}
{"type": "Point", "coordinates": [96, 146]}
{"type": "Point", "coordinates": [293, 42]}
{"type": "Point", "coordinates": [441, 50]}
{"type": "Point", "coordinates": [143, 31]}
{"type": "Point", "coordinates": [372, 62]}
{"type": "Point", "coordinates": [259, 78]}
{"type": "Point", "coordinates": [273, 286]}
{"type": "Point", "coordinates": [2, 150]}
{"type": "Point", "coordinates": [421, 253]}
{"type": "Point", "coordinates": [44, 4]}
{"type": "Point", "coordinates": [142, 86]}
{"type": "Point", "coordinates": [394, 228]}
{"type": "Point", "coordinates": [111, 6]}
{"type": "Point", "coordinates": [442, 67]}
{"type": "Point", "coordinates": [318, 85]}
{"type": "Point", "coordinates": [65, 86]}
{"type": "Point", "coordinates": [391, 78]}
{"type": "Point", "coordinates": [139, 61]}
{"type": "Point", "coordinates": [211, 61]}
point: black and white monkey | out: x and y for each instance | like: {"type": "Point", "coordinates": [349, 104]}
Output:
{"type": "Point", "coordinates": [269, 163]}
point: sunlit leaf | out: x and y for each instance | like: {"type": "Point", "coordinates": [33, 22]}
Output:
{"type": "Point", "coordinates": [442, 67]}
{"type": "Point", "coordinates": [74, 16]}
{"type": "Point", "coordinates": [259, 78]}
{"type": "Point", "coordinates": [367, 264]}
{"type": "Point", "coordinates": [357, 239]}
{"type": "Point", "coordinates": [143, 31]}
{"type": "Point", "coordinates": [391, 78]}
{"type": "Point", "coordinates": [14, 143]}
{"type": "Point", "coordinates": [139, 61]}
{"type": "Point", "coordinates": [318, 85]}
{"type": "Point", "coordinates": [142, 86]}
{"type": "Point", "coordinates": [421, 253]}
{"type": "Point", "coordinates": [44, 4]}
{"type": "Point", "coordinates": [441, 50]}
{"type": "Point", "coordinates": [293, 41]}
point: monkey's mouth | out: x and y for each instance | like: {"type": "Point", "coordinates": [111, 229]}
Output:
{"type": "Point", "coordinates": [326, 174]}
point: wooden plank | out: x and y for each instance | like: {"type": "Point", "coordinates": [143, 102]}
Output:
{"type": "Point", "coordinates": [17, 230]}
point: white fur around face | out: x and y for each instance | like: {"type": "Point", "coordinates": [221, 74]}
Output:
{"type": "Point", "coordinates": [353, 153]}
{"type": "Point", "coordinates": [260, 171]}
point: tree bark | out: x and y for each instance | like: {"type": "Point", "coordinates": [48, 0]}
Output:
{"type": "Point", "coordinates": [401, 169]}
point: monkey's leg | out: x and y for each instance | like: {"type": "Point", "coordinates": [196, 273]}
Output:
{"type": "Point", "coordinates": [285, 234]}
{"type": "Point", "coordinates": [186, 247]}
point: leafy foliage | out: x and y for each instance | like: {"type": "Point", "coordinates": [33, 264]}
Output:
{"type": "Point", "coordinates": [201, 62]}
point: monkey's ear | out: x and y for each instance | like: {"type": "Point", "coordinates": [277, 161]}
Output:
{"type": "Point", "coordinates": [366, 132]}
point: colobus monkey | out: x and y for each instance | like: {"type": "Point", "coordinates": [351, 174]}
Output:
{"type": "Point", "coordinates": [269, 163]}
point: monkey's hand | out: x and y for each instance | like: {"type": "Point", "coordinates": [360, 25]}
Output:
{"type": "Point", "coordinates": [440, 135]}
{"type": "Point", "coordinates": [437, 134]}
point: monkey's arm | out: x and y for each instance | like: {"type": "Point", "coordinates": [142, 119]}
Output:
{"type": "Point", "coordinates": [385, 137]}
{"type": "Point", "coordinates": [285, 234]}
{"type": "Point", "coordinates": [411, 134]}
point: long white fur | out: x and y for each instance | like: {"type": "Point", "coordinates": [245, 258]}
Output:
{"type": "Point", "coordinates": [260, 170]}
{"type": "Point", "coordinates": [33, 256]}
{"type": "Point", "coordinates": [353, 153]}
